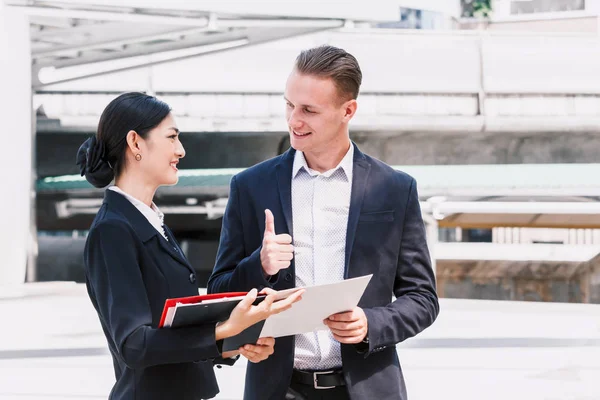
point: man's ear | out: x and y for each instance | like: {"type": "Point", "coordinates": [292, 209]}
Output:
{"type": "Point", "coordinates": [350, 108]}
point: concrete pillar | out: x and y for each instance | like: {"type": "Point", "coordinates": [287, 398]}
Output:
{"type": "Point", "coordinates": [16, 140]}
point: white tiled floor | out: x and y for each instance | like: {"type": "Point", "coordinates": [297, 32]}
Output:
{"type": "Point", "coordinates": [51, 347]}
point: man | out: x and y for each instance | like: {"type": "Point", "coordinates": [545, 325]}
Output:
{"type": "Point", "coordinates": [319, 213]}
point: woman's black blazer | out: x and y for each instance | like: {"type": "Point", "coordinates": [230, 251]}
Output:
{"type": "Point", "coordinates": [130, 270]}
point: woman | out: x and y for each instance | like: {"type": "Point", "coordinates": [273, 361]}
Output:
{"type": "Point", "coordinates": [133, 262]}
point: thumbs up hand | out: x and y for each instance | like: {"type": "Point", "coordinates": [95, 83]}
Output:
{"type": "Point", "coordinates": [277, 250]}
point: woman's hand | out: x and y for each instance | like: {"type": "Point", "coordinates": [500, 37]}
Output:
{"type": "Point", "coordinates": [260, 351]}
{"type": "Point", "coordinates": [230, 354]}
{"type": "Point", "coordinates": [245, 314]}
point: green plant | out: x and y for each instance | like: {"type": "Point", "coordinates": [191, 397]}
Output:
{"type": "Point", "coordinates": [476, 8]}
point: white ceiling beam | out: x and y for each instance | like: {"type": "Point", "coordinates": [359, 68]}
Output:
{"type": "Point", "coordinates": [152, 57]}
{"type": "Point", "coordinates": [138, 51]}
{"type": "Point", "coordinates": [61, 23]}
{"type": "Point", "coordinates": [213, 25]}
{"type": "Point", "coordinates": [52, 42]}
{"type": "Point", "coordinates": [112, 16]}
{"type": "Point", "coordinates": [111, 44]}
{"type": "Point", "coordinates": [53, 76]}
{"type": "Point", "coordinates": [279, 23]}
{"type": "Point", "coordinates": [99, 28]}
{"type": "Point", "coordinates": [372, 10]}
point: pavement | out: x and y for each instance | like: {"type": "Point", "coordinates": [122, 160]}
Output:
{"type": "Point", "coordinates": [52, 347]}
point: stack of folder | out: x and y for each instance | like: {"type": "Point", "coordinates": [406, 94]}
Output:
{"type": "Point", "coordinates": [307, 315]}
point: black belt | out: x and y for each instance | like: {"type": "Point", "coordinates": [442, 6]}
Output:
{"type": "Point", "coordinates": [319, 379]}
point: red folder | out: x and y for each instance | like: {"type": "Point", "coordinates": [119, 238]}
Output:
{"type": "Point", "coordinates": [193, 300]}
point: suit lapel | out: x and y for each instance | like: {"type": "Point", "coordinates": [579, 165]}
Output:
{"type": "Point", "coordinates": [172, 247]}
{"type": "Point", "coordinates": [143, 228]}
{"type": "Point", "coordinates": [284, 183]}
{"type": "Point", "coordinates": [360, 176]}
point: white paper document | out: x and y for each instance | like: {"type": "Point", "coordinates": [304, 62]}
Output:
{"type": "Point", "coordinates": [318, 303]}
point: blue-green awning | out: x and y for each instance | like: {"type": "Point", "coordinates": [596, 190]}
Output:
{"type": "Point", "coordinates": [459, 180]}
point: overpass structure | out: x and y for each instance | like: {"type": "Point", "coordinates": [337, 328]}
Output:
{"type": "Point", "coordinates": [456, 97]}
{"type": "Point", "coordinates": [522, 261]}
{"type": "Point", "coordinates": [441, 81]}
{"type": "Point", "coordinates": [46, 41]}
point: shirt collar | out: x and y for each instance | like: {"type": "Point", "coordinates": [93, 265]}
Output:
{"type": "Point", "coordinates": [346, 165]}
{"type": "Point", "coordinates": [140, 205]}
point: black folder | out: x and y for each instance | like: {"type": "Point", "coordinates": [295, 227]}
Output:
{"type": "Point", "coordinates": [208, 309]}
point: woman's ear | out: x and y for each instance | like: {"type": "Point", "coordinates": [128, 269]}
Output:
{"type": "Point", "coordinates": [133, 141]}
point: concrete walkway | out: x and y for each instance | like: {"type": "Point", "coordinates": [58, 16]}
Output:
{"type": "Point", "coordinates": [51, 347]}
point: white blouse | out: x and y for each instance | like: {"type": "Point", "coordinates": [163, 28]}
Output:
{"type": "Point", "coordinates": [152, 214]}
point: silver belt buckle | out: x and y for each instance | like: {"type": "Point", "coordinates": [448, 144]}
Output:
{"type": "Point", "coordinates": [316, 375]}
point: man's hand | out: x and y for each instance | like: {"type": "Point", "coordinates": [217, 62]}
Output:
{"type": "Point", "coordinates": [277, 250]}
{"type": "Point", "coordinates": [260, 351]}
{"type": "Point", "coordinates": [349, 327]}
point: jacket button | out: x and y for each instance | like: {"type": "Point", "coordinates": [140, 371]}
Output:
{"type": "Point", "coordinates": [288, 277]}
{"type": "Point", "coordinates": [192, 278]}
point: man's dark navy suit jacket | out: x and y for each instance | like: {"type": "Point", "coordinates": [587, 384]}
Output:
{"type": "Point", "coordinates": [385, 237]}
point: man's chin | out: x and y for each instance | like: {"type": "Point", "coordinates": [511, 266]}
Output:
{"type": "Point", "coordinates": [297, 144]}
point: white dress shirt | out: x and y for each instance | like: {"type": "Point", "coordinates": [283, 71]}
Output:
{"type": "Point", "coordinates": [320, 206]}
{"type": "Point", "coordinates": [152, 214]}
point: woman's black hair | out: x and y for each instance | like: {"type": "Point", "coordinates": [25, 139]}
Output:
{"type": "Point", "coordinates": [101, 157]}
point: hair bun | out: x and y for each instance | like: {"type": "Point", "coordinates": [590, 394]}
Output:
{"type": "Point", "coordinates": [92, 163]}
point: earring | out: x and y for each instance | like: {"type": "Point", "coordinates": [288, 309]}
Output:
{"type": "Point", "coordinates": [138, 156]}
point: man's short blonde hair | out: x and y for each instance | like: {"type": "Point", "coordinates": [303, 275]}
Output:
{"type": "Point", "coordinates": [335, 63]}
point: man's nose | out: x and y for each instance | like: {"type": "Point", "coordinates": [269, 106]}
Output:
{"type": "Point", "coordinates": [294, 121]}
